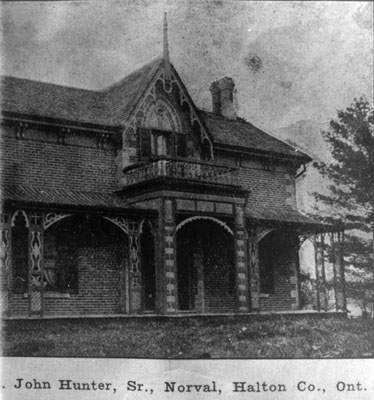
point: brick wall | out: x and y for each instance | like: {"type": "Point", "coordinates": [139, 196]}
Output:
{"type": "Point", "coordinates": [219, 288]}
{"type": "Point", "coordinates": [99, 285]}
{"type": "Point", "coordinates": [267, 189]}
{"type": "Point", "coordinates": [285, 283]}
{"type": "Point", "coordinates": [38, 163]}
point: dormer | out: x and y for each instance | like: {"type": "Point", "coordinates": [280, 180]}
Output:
{"type": "Point", "coordinates": [161, 133]}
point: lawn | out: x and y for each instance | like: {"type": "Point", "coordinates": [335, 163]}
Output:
{"type": "Point", "coordinates": [280, 337]}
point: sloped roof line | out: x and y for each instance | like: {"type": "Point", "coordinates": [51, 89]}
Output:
{"type": "Point", "coordinates": [199, 116]}
{"type": "Point", "coordinates": [27, 96]}
{"type": "Point", "coordinates": [49, 84]}
{"type": "Point", "coordinates": [115, 104]}
{"type": "Point", "coordinates": [241, 134]}
{"type": "Point", "coordinates": [122, 98]}
{"type": "Point", "coordinates": [127, 77]}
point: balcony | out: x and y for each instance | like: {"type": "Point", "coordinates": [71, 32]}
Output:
{"type": "Point", "coordinates": [181, 170]}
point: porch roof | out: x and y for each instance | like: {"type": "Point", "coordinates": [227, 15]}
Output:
{"type": "Point", "coordinates": [62, 197]}
{"type": "Point", "coordinates": [288, 216]}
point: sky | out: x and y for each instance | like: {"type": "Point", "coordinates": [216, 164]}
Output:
{"type": "Point", "coordinates": [290, 61]}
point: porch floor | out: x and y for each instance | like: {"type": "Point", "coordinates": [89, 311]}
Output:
{"type": "Point", "coordinates": [184, 314]}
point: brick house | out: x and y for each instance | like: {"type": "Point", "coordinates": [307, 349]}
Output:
{"type": "Point", "coordinates": [131, 200]}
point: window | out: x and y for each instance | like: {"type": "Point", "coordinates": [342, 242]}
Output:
{"type": "Point", "coordinates": [61, 258]}
{"type": "Point", "coordinates": [268, 257]}
{"type": "Point", "coordinates": [161, 135]}
{"type": "Point", "coordinates": [161, 145]}
{"type": "Point", "coordinates": [20, 254]}
{"type": "Point", "coordinates": [156, 143]}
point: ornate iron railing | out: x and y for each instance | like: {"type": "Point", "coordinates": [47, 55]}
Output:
{"type": "Point", "coordinates": [180, 168]}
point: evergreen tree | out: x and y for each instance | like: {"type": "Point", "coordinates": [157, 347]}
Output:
{"type": "Point", "coordinates": [351, 191]}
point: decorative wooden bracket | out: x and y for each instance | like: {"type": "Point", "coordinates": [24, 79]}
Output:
{"type": "Point", "coordinates": [20, 130]}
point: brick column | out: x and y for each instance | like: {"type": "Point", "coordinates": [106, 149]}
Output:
{"type": "Point", "coordinates": [240, 261]}
{"type": "Point", "coordinates": [338, 267]}
{"type": "Point", "coordinates": [254, 271]}
{"type": "Point", "coordinates": [294, 279]}
{"type": "Point", "coordinates": [168, 256]}
{"type": "Point", "coordinates": [36, 270]}
{"type": "Point", "coordinates": [5, 273]}
{"type": "Point", "coordinates": [322, 298]}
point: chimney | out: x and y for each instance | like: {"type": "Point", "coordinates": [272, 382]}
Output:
{"type": "Point", "coordinates": [223, 97]}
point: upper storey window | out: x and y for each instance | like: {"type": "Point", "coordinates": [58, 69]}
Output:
{"type": "Point", "coordinates": [161, 134]}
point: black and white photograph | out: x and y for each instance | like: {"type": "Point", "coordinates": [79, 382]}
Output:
{"type": "Point", "coordinates": [187, 180]}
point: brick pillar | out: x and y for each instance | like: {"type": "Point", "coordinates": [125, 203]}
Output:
{"type": "Point", "coordinates": [338, 267]}
{"type": "Point", "coordinates": [322, 297]}
{"type": "Point", "coordinates": [254, 271]}
{"type": "Point", "coordinates": [294, 279]}
{"type": "Point", "coordinates": [168, 256]}
{"type": "Point", "coordinates": [5, 253]}
{"type": "Point", "coordinates": [36, 270]}
{"type": "Point", "coordinates": [240, 261]}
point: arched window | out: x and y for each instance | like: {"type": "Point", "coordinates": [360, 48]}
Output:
{"type": "Point", "coordinates": [276, 253]}
{"type": "Point", "coordinates": [161, 134]}
{"type": "Point", "coordinates": [61, 257]}
{"type": "Point", "coordinates": [20, 253]}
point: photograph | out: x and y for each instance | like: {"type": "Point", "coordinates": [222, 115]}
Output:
{"type": "Point", "coordinates": [186, 180]}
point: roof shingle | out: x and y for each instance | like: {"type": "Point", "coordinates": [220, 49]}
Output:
{"type": "Point", "coordinates": [113, 105]}
{"type": "Point", "coordinates": [60, 197]}
{"type": "Point", "coordinates": [240, 133]}
{"type": "Point", "coordinates": [278, 214]}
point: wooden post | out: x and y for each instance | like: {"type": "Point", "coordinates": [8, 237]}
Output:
{"type": "Point", "coordinates": [36, 264]}
{"type": "Point", "coordinates": [338, 264]}
{"type": "Point", "coordinates": [5, 254]}
{"type": "Point", "coordinates": [322, 298]}
{"type": "Point", "coordinates": [134, 231]}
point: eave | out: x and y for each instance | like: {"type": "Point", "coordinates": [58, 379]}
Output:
{"type": "Point", "coordinates": [59, 122]}
{"type": "Point", "coordinates": [261, 154]}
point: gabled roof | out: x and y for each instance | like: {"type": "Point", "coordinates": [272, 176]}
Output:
{"type": "Point", "coordinates": [24, 96]}
{"type": "Point", "coordinates": [242, 134]}
{"type": "Point", "coordinates": [113, 105]}
{"type": "Point", "coordinates": [121, 98]}
{"type": "Point", "coordinates": [107, 107]}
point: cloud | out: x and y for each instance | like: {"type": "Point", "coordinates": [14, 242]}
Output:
{"type": "Point", "coordinates": [316, 56]}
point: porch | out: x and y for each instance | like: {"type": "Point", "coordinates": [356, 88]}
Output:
{"type": "Point", "coordinates": [175, 260]}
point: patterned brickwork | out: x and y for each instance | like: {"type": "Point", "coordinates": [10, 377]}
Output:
{"type": "Point", "coordinates": [253, 265]}
{"type": "Point", "coordinates": [240, 257]}
{"type": "Point", "coordinates": [170, 258]}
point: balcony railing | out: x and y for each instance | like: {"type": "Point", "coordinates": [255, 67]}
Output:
{"type": "Point", "coordinates": [182, 169]}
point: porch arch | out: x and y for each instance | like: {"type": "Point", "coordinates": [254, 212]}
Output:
{"type": "Point", "coordinates": [206, 274]}
{"type": "Point", "coordinates": [198, 217]}
{"type": "Point", "coordinates": [22, 212]}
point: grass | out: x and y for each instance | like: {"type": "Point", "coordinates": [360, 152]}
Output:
{"type": "Point", "coordinates": [219, 337]}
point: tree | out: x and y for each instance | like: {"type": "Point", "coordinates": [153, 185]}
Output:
{"type": "Point", "coordinates": [351, 190]}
